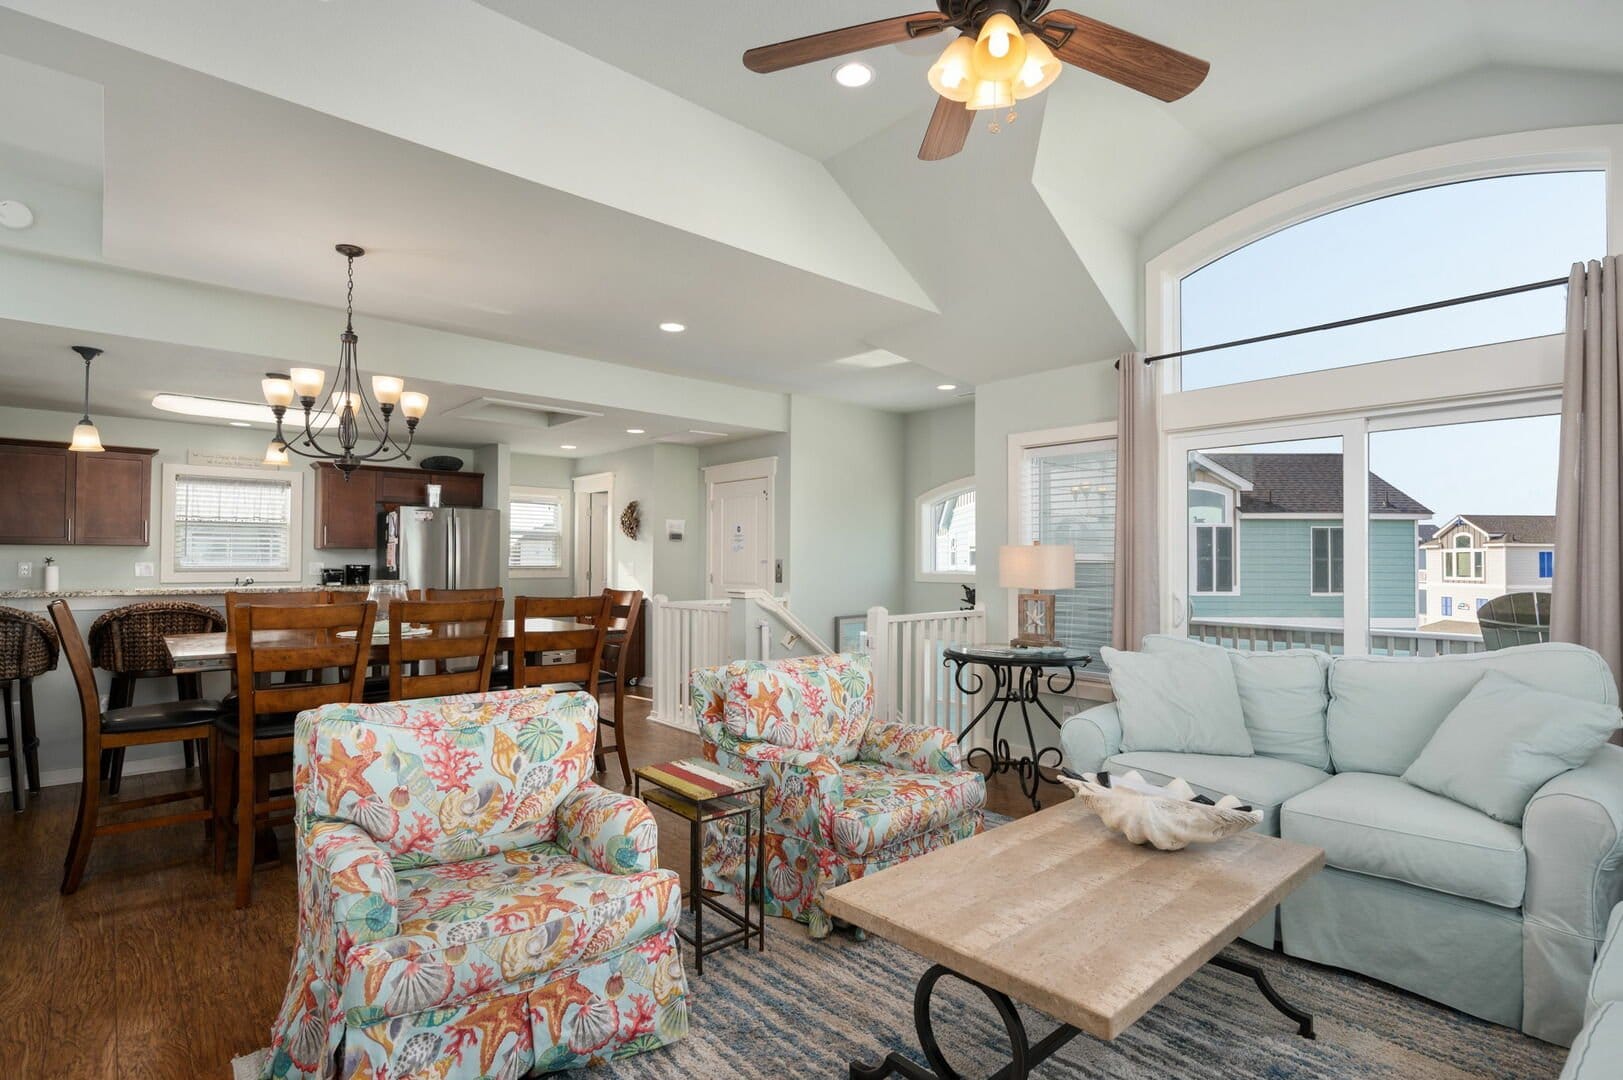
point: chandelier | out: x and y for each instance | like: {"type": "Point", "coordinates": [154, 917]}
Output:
{"type": "Point", "coordinates": [996, 68]}
{"type": "Point", "coordinates": [345, 401]}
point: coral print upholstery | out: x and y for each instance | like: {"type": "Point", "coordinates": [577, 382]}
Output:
{"type": "Point", "coordinates": [846, 794]}
{"type": "Point", "coordinates": [470, 903]}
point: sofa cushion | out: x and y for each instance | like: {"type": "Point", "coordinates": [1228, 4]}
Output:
{"type": "Point", "coordinates": [1184, 702]}
{"type": "Point", "coordinates": [1384, 709]}
{"type": "Point", "coordinates": [520, 913]}
{"type": "Point", "coordinates": [818, 703]}
{"type": "Point", "coordinates": [1505, 741]}
{"type": "Point", "coordinates": [1606, 981]}
{"type": "Point", "coordinates": [1264, 782]}
{"type": "Point", "coordinates": [441, 780]}
{"type": "Point", "coordinates": [1283, 697]}
{"type": "Point", "coordinates": [1378, 825]}
{"type": "Point", "coordinates": [1598, 1047]}
{"type": "Point", "coordinates": [883, 806]}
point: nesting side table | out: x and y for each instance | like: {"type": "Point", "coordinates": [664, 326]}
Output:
{"type": "Point", "coordinates": [701, 794]}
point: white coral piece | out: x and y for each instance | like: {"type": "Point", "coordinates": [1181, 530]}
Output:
{"type": "Point", "coordinates": [1162, 817]}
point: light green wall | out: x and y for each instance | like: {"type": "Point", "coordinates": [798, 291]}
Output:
{"type": "Point", "coordinates": [679, 490]}
{"type": "Point", "coordinates": [940, 448]}
{"type": "Point", "coordinates": [1276, 572]}
{"type": "Point", "coordinates": [664, 480]}
{"type": "Point", "coordinates": [727, 453]}
{"type": "Point", "coordinates": [848, 509]}
{"type": "Point", "coordinates": [537, 470]}
{"type": "Point", "coordinates": [114, 567]}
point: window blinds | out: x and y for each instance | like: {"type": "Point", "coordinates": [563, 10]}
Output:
{"type": "Point", "coordinates": [229, 523]}
{"type": "Point", "coordinates": [1068, 496]}
{"type": "Point", "coordinates": [535, 539]}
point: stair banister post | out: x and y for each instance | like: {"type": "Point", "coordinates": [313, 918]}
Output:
{"type": "Point", "coordinates": [879, 651]}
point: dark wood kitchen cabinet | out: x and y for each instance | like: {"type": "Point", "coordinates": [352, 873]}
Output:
{"type": "Point", "coordinates": [51, 495]}
{"type": "Point", "coordinates": [347, 514]}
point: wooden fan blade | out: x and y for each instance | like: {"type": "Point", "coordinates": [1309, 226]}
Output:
{"type": "Point", "coordinates": [806, 50]}
{"type": "Point", "coordinates": [948, 130]}
{"type": "Point", "coordinates": [1135, 62]}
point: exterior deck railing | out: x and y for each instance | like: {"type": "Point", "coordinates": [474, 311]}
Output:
{"type": "Point", "coordinates": [1264, 637]}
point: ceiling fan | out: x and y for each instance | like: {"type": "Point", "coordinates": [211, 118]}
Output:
{"type": "Point", "coordinates": [1006, 51]}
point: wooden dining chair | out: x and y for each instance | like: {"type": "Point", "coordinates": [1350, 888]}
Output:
{"type": "Point", "coordinates": [465, 630]}
{"type": "Point", "coordinates": [294, 641]}
{"type": "Point", "coordinates": [625, 606]}
{"type": "Point", "coordinates": [459, 595]}
{"type": "Point", "coordinates": [585, 641]}
{"type": "Point", "coordinates": [297, 598]}
{"type": "Point", "coordinates": [136, 725]}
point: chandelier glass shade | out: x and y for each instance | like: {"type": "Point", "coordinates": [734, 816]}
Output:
{"type": "Point", "coordinates": [346, 399]}
{"type": "Point", "coordinates": [995, 67]}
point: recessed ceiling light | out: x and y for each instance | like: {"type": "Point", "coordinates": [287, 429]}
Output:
{"type": "Point", "coordinates": [635, 431]}
{"type": "Point", "coordinates": [947, 386]}
{"type": "Point", "coordinates": [240, 423]}
{"type": "Point", "coordinates": [15, 215]}
{"type": "Point", "coordinates": [672, 327]}
{"type": "Point", "coordinates": [569, 446]}
{"type": "Point", "coordinates": [854, 75]}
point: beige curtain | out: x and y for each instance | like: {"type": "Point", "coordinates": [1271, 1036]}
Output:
{"type": "Point", "coordinates": [1138, 454]}
{"type": "Point", "coordinates": [1587, 603]}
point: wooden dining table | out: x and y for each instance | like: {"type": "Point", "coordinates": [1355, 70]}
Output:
{"type": "Point", "coordinates": [197, 653]}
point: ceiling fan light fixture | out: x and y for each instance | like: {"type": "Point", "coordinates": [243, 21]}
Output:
{"type": "Point", "coordinates": [990, 94]}
{"type": "Point", "coordinates": [1039, 71]}
{"type": "Point", "coordinates": [953, 74]}
{"type": "Point", "coordinates": [1000, 51]}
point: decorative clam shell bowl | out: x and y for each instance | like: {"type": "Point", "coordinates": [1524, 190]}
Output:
{"type": "Point", "coordinates": [1166, 818]}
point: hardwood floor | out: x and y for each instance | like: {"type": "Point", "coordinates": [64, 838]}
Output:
{"type": "Point", "coordinates": [148, 972]}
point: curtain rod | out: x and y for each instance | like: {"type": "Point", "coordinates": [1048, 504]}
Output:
{"type": "Point", "coordinates": [1357, 320]}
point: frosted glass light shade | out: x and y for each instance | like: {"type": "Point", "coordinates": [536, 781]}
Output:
{"type": "Point", "coordinates": [953, 75]}
{"type": "Point", "coordinates": [278, 392]}
{"type": "Point", "coordinates": [1039, 71]}
{"type": "Point", "coordinates": [1036, 566]}
{"type": "Point", "coordinates": [413, 404]}
{"type": "Point", "coordinates": [276, 453]}
{"type": "Point", "coordinates": [991, 95]}
{"type": "Point", "coordinates": [307, 381]}
{"type": "Point", "coordinates": [1000, 51]}
{"type": "Point", "coordinates": [86, 439]}
{"type": "Point", "coordinates": [387, 389]}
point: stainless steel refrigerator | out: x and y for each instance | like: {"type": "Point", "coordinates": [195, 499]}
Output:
{"type": "Point", "coordinates": [441, 547]}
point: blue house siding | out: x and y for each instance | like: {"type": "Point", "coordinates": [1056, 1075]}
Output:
{"type": "Point", "coordinates": [1276, 572]}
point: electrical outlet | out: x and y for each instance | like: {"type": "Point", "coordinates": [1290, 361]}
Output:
{"type": "Point", "coordinates": [145, 569]}
{"type": "Point", "coordinates": [25, 569]}
{"type": "Point", "coordinates": [315, 571]}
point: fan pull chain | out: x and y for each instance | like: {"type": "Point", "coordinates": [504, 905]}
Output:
{"type": "Point", "coordinates": [994, 127]}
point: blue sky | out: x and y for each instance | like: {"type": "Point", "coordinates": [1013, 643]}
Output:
{"type": "Point", "coordinates": [1395, 252]}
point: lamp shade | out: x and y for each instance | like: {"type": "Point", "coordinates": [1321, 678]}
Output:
{"type": "Point", "coordinates": [1036, 566]}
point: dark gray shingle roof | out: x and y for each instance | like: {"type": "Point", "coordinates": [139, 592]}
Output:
{"type": "Point", "coordinates": [1515, 528]}
{"type": "Point", "coordinates": [1306, 484]}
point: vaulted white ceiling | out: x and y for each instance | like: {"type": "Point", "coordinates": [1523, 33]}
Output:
{"type": "Point", "coordinates": [566, 176]}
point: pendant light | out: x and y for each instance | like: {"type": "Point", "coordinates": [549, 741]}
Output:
{"type": "Point", "coordinates": [86, 439]}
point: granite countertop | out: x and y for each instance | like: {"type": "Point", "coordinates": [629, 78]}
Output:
{"type": "Point", "coordinates": [171, 590]}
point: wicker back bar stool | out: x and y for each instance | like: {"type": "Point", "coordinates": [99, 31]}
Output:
{"type": "Point", "coordinates": [28, 649]}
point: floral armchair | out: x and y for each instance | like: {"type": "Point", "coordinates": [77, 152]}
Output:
{"type": "Point", "coordinates": [468, 899]}
{"type": "Point", "coordinates": [846, 794]}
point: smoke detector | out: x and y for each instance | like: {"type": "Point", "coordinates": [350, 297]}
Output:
{"type": "Point", "coordinates": [15, 215]}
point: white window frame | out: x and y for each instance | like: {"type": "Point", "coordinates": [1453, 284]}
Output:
{"type": "Point", "coordinates": [296, 539]}
{"type": "Point", "coordinates": [1231, 520]}
{"type": "Point", "coordinates": [1495, 381]}
{"type": "Point", "coordinates": [1476, 554]}
{"type": "Point", "coordinates": [924, 538]}
{"type": "Point", "coordinates": [1330, 565]}
{"type": "Point", "coordinates": [565, 530]}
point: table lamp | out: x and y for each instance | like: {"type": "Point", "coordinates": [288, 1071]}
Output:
{"type": "Point", "coordinates": [1032, 568]}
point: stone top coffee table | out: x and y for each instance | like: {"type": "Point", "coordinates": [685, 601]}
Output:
{"type": "Point", "coordinates": [1058, 912]}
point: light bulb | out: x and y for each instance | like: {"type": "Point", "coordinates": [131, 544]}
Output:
{"type": "Point", "coordinates": [86, 439]}
{"type": "Point", "coordinates": [413, 404]}
{"type": "Point", "coordinates": [1000, 51]}
{"type": "Point", "coordinates": [276, 453]}
{"type": "Point", "coordinates": [278, 391]}
{"type": "Point", "coordinates": [387, 388]}
{"type": "Point", "coordinates": [952, 75]}
{"type": "Point", "coordinates": [1040, 69]}
{"type": "Point", "coordinates": [991, 95]}
{"type": "Point", "coordinates": [307, 381]}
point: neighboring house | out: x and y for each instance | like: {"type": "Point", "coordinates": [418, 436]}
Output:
{"type": "Point", "coordinates": [1266, 542]}
{"type": "Point", "coordinates": [1476, 557]}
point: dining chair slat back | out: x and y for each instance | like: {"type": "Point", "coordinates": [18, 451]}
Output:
{"type": "Point", "coordinates": [585, 642]}
{"type": "Point", "coordinates": [458, 630]}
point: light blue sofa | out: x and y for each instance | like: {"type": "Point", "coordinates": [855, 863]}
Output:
{"type": "Point", "coordinates": [1597, 1052]}
{"type": "Point", "coordinates": [1421, 892]}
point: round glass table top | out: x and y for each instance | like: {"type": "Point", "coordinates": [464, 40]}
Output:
{"type": "Point", "coordinates": [1057, 656]}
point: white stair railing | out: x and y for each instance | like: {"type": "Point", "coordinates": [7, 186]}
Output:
{"type": "Point", "coordinates": [771, 605]}
{"type": "Point", "coordinates": [684, 635]}
{"type": "Point", "coordinates": [911, 684]}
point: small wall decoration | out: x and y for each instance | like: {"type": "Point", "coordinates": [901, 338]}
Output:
{"type": "Point", "coordinates": [631, 520]}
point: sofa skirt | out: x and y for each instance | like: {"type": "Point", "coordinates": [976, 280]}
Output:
{"type": "Point", "coordinates": [1463, 953]}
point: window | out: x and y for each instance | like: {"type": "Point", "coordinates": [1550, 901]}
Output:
{"type": "Point", "coordinates": [1211, 542]}
{"type": "Point", "coordinates": [1329, 560]}
{"type": "Point", "coordinates": [225, 523]}
{"type": "Point", "coordinates": [1546, 565]}
{"type": "Point", "coordinates": [946, 532]}
{"type": "Point", "coordinates": [535, 535]}
{"type": "Point", "coordinates": [1067, 495]}
{"type": "Point", "coordinates": [1448, 606]}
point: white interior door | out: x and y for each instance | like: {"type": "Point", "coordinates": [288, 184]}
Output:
{"type": "Point", "coordinates": [740, 535]}
{"type": "Point", "coordinates": [592, 542]}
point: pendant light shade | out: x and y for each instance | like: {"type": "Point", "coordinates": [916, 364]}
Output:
{"type": "Point", "coordinates": [1000, 51]}
{"type": "Point", "coordinates": [86, 439]}
{"type": "Point", "coordinates": [276, 453]}
{"type": "Point", "coordinates": [1040, 70]}
{"type": "Point", "coordinates": [953, 76]}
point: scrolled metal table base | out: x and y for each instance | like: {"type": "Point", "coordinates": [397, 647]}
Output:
{"type": "Point", "coordinates": [1014, 684]}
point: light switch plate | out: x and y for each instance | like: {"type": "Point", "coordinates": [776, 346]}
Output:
{"type": "Point", "coordinates": [145, 569]}
{"type": "Point", "coordinates": [25, 569]}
